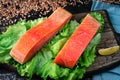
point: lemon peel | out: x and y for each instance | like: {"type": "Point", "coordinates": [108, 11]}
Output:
{"type": "Point", "coordinates": [109, 51]}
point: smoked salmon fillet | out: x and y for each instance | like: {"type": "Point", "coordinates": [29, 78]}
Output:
{"type": "Point", "coordinates": [28, 44]}
{"type": "Point", "coordinates": [76, 44]}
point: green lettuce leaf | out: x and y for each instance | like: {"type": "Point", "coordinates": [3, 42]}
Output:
{"type": "Point", "coordinates": [12, 34]}
{"type": "Point", "coordinates": [98, 17]}
{"type": "Point", "coordinates": [42, 63]}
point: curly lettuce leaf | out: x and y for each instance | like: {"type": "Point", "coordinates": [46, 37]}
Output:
{"type": "Point", "coordinates": [12, 34]}
{"type": "Point", "coordinates": [42, 63]}
{"type": "Point", "coordinates": [99, 17]}
{"type": "Point", "coordinates": [9, 38]}
{"type": "Point", "coordinates": [90, 52]}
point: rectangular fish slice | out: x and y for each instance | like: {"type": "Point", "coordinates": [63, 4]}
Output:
{"type": "Point", "coordinates": [76, 44]}
{"type": "Point", "coordinates": [36, 37]}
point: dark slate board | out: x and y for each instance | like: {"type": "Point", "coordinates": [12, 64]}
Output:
{"type": "Point", "coordinates": [109, 39]}
{"type": "Point", "coordinates": [101, 63]}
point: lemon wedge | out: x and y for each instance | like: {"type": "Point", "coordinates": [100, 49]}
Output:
{"type": "Point", "coordinates": [108, 51]}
